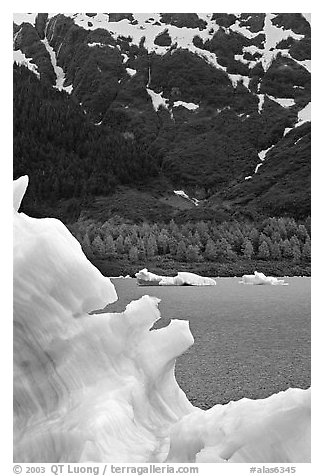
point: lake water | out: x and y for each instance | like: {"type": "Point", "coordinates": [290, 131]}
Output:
{"type": "Point", "coordinates": [250, 341]}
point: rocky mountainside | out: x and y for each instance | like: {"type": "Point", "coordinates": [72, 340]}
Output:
{"type": "Point", "coordinates": [213, 106]}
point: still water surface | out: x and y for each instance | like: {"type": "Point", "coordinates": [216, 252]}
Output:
{"type": "Point", "coordinates": [250, 341]}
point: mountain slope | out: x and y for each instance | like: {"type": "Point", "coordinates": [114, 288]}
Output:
{"type": "Point", "coordinates": [204, 95]}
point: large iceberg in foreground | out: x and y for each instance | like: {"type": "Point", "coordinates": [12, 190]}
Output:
{"type": "Point", "coordinates": [145, 278]}
{"type": "Point", "coordinates": [260, 278]}
{"type": "Point", "coordinates": [101, 387]}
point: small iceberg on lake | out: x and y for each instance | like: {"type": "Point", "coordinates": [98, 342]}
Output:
{"type": "Point", "coordinates": [260, 278]}
{"type": "Point", "coordinates": [145, 278]}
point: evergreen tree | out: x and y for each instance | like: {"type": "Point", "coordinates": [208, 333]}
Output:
{"type": "Point", "coordinates": [306, 253]}
{"type": "Point", "coordinates": [120, 245]}
{"type": "Point", "coordinates": [98, 246]}
{"type": "Point", "coordinates": [286, 249]}
{"type": "Point", "coordinates": [181, 251]}
{"type": "Point", "coordinates": [302, 233]}
{"type": "Point", "coordinates": [86, 246]}
{"type": "Point", "coordinates": [211, 250]}
{"type": "Point", "coordinates": [162, 242]}
{"type": "Point", "coordinates": [275, 250]}
{"type": "Point", "coordinates": [141, 250]}
{"type": "Point", "coordinates": [264, 252]}
{"type": "Point", "coordinates": [192, 254]}
{"type": "Point", "coordinates": [110, 247]}
{"type": "Point", "coordinates": [224, 250]}
{"type": "Point", "coordinates": [254, 238]}
{"type": "Point", "coordinates": [296, 253]}
{"type": "Point", "coordinates": [151, 247]}
{"type": "Point", "coordinates": [127, 244]}
{"type": "Point", "coordinates": [133, 254]}
{"type": "Point", "coordinates": [173, 247]}
{"type": "Point", "coordinates": [247, 249]}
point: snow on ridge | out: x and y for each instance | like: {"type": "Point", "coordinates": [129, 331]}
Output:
{"type": "Point", "coordinates": [20, 58]}
{"type": "Point", "coordinates": [101, 45]}
{"type": "Point", "coordinates": [60, 75]}
{"type": "Point", "coordinates": [235, 78]}
{"type": "Point", "coordinates": [304, 115]}
{"type": "Point", "coordinates": [307, 17]}
{"type": "Point", "coordinates": [131, 72]}
{"type": "Point", "coordinates": [189, 105]}
{"type": "Point", "coordinates": [20, 18]}
{"type": "Point", "coordinates": [274, 35]}
{"type": "Point", "coordinates": [284, 102]}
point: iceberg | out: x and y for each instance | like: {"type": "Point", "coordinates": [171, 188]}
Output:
{"type": "Point", "coordinates": [146, 278]}
{"type": "Point", "coordinates": [101, 387]}
{"type": "Point", "coordinates": [260, 278]}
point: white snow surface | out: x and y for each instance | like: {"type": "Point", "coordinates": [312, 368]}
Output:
{"type": "Point", "coordinates": [188, 105]}
{"type": "Point", "coordinates": [284, 102]}
{"type": "Point", "coordinates": [260, 279]}
{"type": "Point", "coordinates": [182, 194]}
{"type": "Point", "coordinates": [182, 278]}
{"type": "Point", "coordinates": [20, 18]}
{"type": "Point", "coordinates": [101, 387]}
{"type": "Point", "coordinates": [304, 115]}
{"type": "Point", "coordinates": [131, 72]}
{"type": "Point", "coordinates": [183, 37]}
{"type": "Point", "coordinates": [157, 99]}
{"type": "Point", "coordinates": [274, 35]}
{"type": "Point", "coordinates": [264, 152]}
{"type": "Point", "coordinates": [20, 58]}
{"type": "Point", "coordinates": [60, 75]}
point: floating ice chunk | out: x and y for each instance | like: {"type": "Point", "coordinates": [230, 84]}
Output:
{"type": "Point", "coordinates": [19, 188]}
{"type": "Point", "coordinates": [260, 278]}
{"type": "Point", "coordinates": [144, 277]}
{"type": "Point", "coordinates": [274, 429]}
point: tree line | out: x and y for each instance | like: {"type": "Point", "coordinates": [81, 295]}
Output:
{"type": "Point", "coordinates": [272, 239]}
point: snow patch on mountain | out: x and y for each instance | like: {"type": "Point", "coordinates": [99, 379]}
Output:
{"type": "Point", "coordinates": [20, 18]}
{"type": "Point", "coordinates": [131, 72]}
{"type": "Point", "coordinates": [101, 45]}
{"type": "Point", "coordinates": [188, 105]}
{"type": "Point", "coordinates": [274, 35]}
{"type": "Point", "coordinates": [261, 102]}
{"type": "Point", "coordinates": [236, 78]}
{"type": "Point", "coordinates": [182, 194]}
{"type": "Point", "coordinates": [284, 102]}
{"type": "Point", "coordinates": [60, 75]}
{"type": "Point", "coordinates": [157, 99]}
{"type": "Point", "coordinates": [20, 58]}
{"type": "Point", "coordinates": [304, 115]}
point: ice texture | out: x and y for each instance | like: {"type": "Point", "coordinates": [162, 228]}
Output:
{"type": "Point", "coordinates": [145, 277]}
{"type": "Point", "coordinates": [101, 387]}
{"type": "Point", "coordinates": [260, 278]}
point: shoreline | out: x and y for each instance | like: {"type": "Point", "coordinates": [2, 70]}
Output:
{"type": "Point", "coordinates": [236, 269]}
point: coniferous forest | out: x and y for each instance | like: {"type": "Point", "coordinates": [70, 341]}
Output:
{"type": "Point", "coordinates": [71, 162]}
